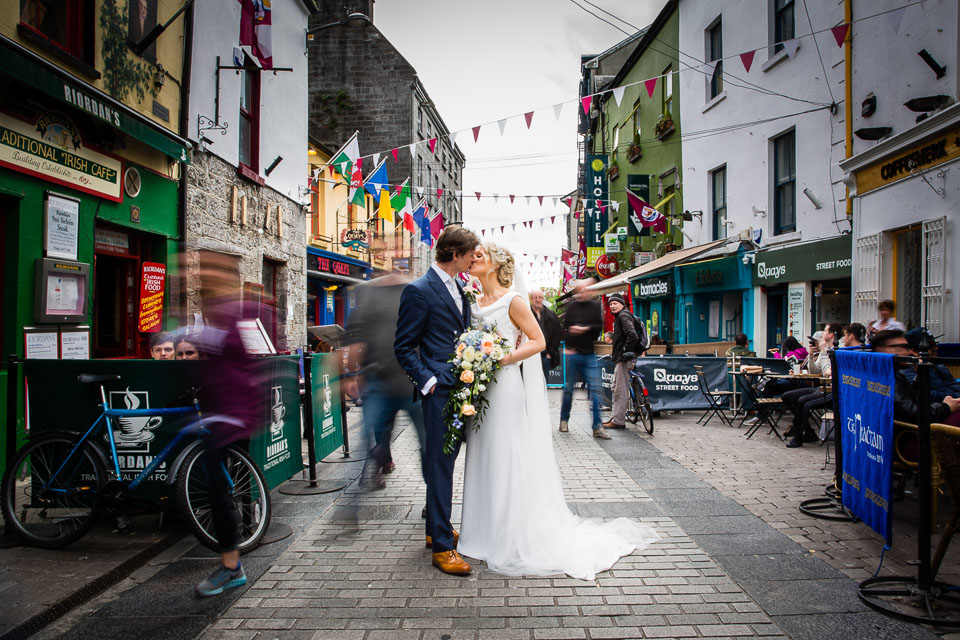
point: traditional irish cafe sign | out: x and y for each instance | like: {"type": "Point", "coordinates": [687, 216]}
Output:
{"type": "Point", "coordinates": [52, 150]}
{"type": "Point", "coordinates": [151, 296]}
{"type": "Point", "coordinates": [866, 424]}
{"type": "Point", "coordinates": [595, 219]}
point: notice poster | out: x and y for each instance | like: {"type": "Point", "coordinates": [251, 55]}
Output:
{"type": "Point", "coordinates": [151, 296]}
{"type": "Point", "coordinates": [63, 294]}
{"type": "Point", "coordinates": [40, 344]}
{"type": "Point", "coordinates": [75, 344]}
{"type": "Point", "coordinates": [795, 311]}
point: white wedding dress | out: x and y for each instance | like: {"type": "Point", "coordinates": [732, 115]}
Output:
{"type": "Point", "coordinates": [515, 516]}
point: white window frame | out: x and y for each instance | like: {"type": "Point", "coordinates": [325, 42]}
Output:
{"type": "Point", "coordinates": [868, 274]}
{"type": "Point", "coordinates": [934, 274]}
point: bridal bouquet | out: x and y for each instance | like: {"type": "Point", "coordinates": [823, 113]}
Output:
{"type": "Point", "coordinates": [477, 356]}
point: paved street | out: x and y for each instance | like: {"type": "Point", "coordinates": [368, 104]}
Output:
{"type": "Point", "coordinates": [737, 558]}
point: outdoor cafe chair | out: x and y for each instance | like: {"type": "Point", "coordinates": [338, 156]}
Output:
{"type": "Point", "coordinates": [769, 410]}
{"type": "Point", "coordinates": [714, 399]}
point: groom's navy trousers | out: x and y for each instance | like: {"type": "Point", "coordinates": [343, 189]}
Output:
{"type": "Point", "coordinates": [427, 330]}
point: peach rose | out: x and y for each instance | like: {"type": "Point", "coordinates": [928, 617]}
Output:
{"type": "Point", "coordinates": [487, 346]}
{"type": "Point", "coordinates": [460, 348]}
{"type": "Point", "coordinates": [468, 410]}
{"type": "Point", "coordinates": [466, 376]}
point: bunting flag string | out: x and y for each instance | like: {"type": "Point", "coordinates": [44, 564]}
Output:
{"type": "Point", "coordinates": [747, 59]}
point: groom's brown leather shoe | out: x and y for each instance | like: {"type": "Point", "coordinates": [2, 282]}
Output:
{"type": "Point", "coordinates": [451, 562]}
{"type": "Point", "coordinates": [456, 540]}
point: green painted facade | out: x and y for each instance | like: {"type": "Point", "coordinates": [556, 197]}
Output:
{"type": "Point", "coordinates": [641, 121]}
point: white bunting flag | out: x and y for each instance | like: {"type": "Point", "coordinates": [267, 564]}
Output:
{"type": "Point", "coordinates": [453, 138]}
{"type": "Point", "coordinates": [413, 150]}
{"type": "Point", "coordinates": [496, 197]}
{"type": "Point", "coordinates": [618, 94]}
{"type": "Point", "coordinates": [791, 46]}
{"type": "Point", "coordinates": [895, 18]}
{"type": "Point", "coordinates": [502, 124]}
{"type": "Point", "coordinates": [458, 193]}
{"type": "Point", "coordinates": [688, 75]}
{"type": "Point", "coordinates": [557, 108]}
{"type": "Point", "coordinates": [615, 205]}
{"type": "Point", "coordinates": [376, 159]}
{"type": "Point", "coordinates": [528, 201]}
{"type": "Point", "coordinates": [419, 191]}
{"type": "Point", "coordinates": [555, 200]}
{"type": "Point", "coordinates": [708, 68]}
{"type": "Point", "coordinates": [514, 226]}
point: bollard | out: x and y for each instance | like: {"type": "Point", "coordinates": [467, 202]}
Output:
{"type": "Point", "coordinates": [12, 386]}
{"type": "Point", "coordinates": [308, 410]}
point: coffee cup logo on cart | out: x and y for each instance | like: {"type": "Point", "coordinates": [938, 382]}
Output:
{"type": "Point", "coordinates": [279, 447]}
{"type": "Point", "coordinates": [764, 272]}
{"type": "Point", "coordinates": [134, 435]}
{"type": "Point", "coordinates": [674, 381]}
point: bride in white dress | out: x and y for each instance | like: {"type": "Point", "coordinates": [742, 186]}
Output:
{"type": "Point", "coordinates": [515, 516]}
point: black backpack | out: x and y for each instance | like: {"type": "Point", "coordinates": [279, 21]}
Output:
{"type": "Point", "coordinates": [643, 342]}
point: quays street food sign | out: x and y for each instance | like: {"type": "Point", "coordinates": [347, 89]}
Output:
{"type": "Point", "coordinates": [52, 150]}
{"type": "Point", "coordinates": [824, 260]}
{"type": "Point", "coordinates": [866, 420]}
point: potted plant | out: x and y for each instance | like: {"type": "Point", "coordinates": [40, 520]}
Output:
{"type": "Point", "coordinates": [633, 151]}
{"type": "Point", "coordinates": [664, 126]}
{"type": "Point", "coordinates": [613, 171]}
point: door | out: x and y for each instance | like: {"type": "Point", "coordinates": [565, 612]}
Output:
{"type": "Point", "coordinates": [115, 299]}
{"type": "Point", "coordinates": [776, 318]}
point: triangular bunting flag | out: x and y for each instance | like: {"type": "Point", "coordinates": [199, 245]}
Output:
{"type": "Point", "coordinates": [385, 211]}
{"type": "Point", "coordinates": [513, 227]}
{"type": "Point", "coordinates": [540, 198]}
{"type": "Point", "coordinates": [433, 145]}
{"type": "Point", "coordinates": [555, 201]}
{"type": "Point", "coordinates": [688, 75]}
{"type": "Point", "coordinates": [603, 209]}
{"type": "Point", "coordinates": [895, 19]}
{"type": "Point", "coordinates": [376, 159]}
{"type": "Point", "coordinates": [483, 232]}
{"type": "Point", "coordinates": [568, 202]}
{"type": "Point", "coordinates": [791, 46]}
{"type": "Point", "coordinates": [840, 33]}
{"type": "Point", "coordinates": [502, 124]}
{"type": "Point", "coordinates": [342, 161]}
{"type": "Point", "coordinates": [377, 180]}
{"type": "Point", "coordinates": [528, 200]}
{"type": "Point", "coordinates": [395, 153]}
{"type": "Point", "coordinates": [501, 228]}
{"type": "Point", "coordinates": [496, 197]}
{"type": "Point", "coordinates": [476, 132]}
{"type": "Point", "coordinates": [650, 84]}
{"type": "Point", "coordinates": [557, 108]}
{"type": "Point", "coordinates": [439, 193]}
{"type": "Point", "coordinates": [586, 104]}
{"type": "Point", "coordinates": [616, 206]}
{"type": "Point", "coordinates": [747, 59]}
{"type": "Point", "coordinates": [708, 68]}
{"type": "Point", "coordinates": [618, 94]}
{"type": "Point", "coordinates": [528, 116]}
{"type": "Point", "coordinates": [553, 219]}
{"type": "Point", "coordinates": [413, 150]}
{"type": "Point", "coordinates": [477, 193]}
{"type": "Point", "coordinates": [511, 198]}
{"type": "Point", "coordinates": [453, 138]}
{"type": "Point", "coordinates": [457, 193]}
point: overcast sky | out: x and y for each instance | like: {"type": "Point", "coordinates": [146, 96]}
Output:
{"type": "Point", "coordinates": [485, 61]}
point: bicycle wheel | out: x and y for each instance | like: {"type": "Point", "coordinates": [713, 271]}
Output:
{"type": "Point", "coordinates": [46, 502]}
{"type": "Point", "coordinates": [646, 415]}
{"type": "Point", "coordinates": [636, 399]}
{"type": "Point", "coordinates": [248, 493]}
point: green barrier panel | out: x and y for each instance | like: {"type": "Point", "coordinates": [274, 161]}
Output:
{"type": "Point", "coordinates": [276, 449]}
{"type": "Point", "coordinates": [327, 423]}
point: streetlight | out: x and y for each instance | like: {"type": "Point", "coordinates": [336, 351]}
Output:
{"type": "Point", "coordinates": [355, 20]}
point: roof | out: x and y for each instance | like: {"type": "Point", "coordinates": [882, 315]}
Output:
{"type": "Point", "coordinates": [672, 259]}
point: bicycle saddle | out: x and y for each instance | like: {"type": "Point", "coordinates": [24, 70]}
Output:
{"type": "Point", "coordinates": [93, 378]}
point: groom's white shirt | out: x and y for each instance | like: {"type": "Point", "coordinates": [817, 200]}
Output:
{"type": "Point", "coordinates": [451, 286]}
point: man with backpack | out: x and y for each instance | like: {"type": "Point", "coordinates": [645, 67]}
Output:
{"type": "Point", "coordinates": [629, 337]}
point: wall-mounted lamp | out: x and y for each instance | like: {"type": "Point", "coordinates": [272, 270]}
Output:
{"type": "Point", "coordinates": [355, 20]}
{"type": "Point", "coordinates": [159, 76]}
{"type": "Point", "coordinates": [758, 212]}
{"type": "Point", "coordinates": [688, 215]}
{"type": "Point", "coordinates": [749, 258]}
{"type": "Point", "coordinates": [273, 165]}
{"type": "Point", "coordinates": [812, 198]}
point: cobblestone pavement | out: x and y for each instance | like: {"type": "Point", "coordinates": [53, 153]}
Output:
{"type": "Point", "coordinates": [736, 558]}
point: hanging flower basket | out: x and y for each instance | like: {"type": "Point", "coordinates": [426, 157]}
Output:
{"type": "Point", "coordinates": [634, 153]}
{"type": "Point", "coordinates": [613, 172]}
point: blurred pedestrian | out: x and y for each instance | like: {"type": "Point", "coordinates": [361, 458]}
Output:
{"type": "Point", "coordinates": [550, 326]}
{"type": "Point", "coordinates": [582, 323]}
{"type": "Point", "coordinates": [384, 386]}
{"type": "Point", "coordinates": [161, 346]}
{"type": "Point", "coordinates": [885, 320]}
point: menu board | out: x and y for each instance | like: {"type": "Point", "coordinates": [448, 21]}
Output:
{"type": "Point", "coordinates": [75, 344]}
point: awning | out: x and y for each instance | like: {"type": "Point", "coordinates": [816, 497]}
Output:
{"type": "Point", "coordinates": [27, 67]}
{"type": "Point", "coordinates": [622, 281]}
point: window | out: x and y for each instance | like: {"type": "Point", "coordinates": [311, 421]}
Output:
{"type": "Point", "coordinates": [616, 141]}
{"type": "Point", "coordinates": [250, 119]}
{"type": "Point", "coordinates": [782, 23]}
{"type": "Point", "coordinates": [636, 122]}
{"type": "Point", "coordinates": [269, 310]}
{"type": "Point", "coordinates": [784, 184]}
{"type": "Point", "coordinates": [715, 54]}
{"type": "Point", "coordinates": [668, 91]}
{"type": "Point", "coordinates": [718, 188]}
{"type": "Point", "coordinates": [67, 25]}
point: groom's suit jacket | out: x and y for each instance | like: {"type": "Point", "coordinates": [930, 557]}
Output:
{"type": "Point", "coordinates": [427, 329]}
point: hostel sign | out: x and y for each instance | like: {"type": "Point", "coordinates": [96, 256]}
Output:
{"type": "Point", "coordinates": [52, 150]}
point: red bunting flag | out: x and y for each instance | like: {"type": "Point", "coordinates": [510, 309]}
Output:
{"type": "Point", "coordinates": [650, 84]}
{"type": "Point", "coordinates": [603, 209]}
{"type": "Point", "coordinates": [840, 33]}
{"type": "Point", "coordinates": [540, 198]}
{"type": "Point", "coordinates": [568, 202]}
{"type": "Point", "coordinates": [511, 198]}
{"type": "Point", "coordinates": [552, 218]}
{"type": "Point", "coordinates": [395, 153]}
{"type": "Point", "coordinates": [483, 232]}
{"type": "Point", "coordinates": [477, 193]}
{"type": "Point", "coordinates": [528, 116]}
{"type": "Point", "coordinates": [476, 133]}
{"type": "Point", "coordinates": [433, 145]}
{"type": "Point", "coordinates": [747, 59]}
{"type": "Point", "coordinates": [586, 104]}
{"type": "Point", "coordinates": [439, 192]}
{"type": "Point", "coordinates": [501, 228]}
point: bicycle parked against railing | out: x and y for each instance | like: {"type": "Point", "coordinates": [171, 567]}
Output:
{"type": "Point", "coordinates": [638, 409]}
{"type": "Point", "coordinates": [57, 486]}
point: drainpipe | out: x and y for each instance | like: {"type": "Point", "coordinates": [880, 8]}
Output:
{"type": "Point", "coordinates": [848, 91]}
{"type": "Point", "coordinates": [184, 132]}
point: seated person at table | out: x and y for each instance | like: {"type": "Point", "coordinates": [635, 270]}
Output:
{"type": "Point", "coordinates": [161, 346]}
{"type": "Point", "coordinates": [803, 401]}
{"type": "Point", "coordinates": [942, 382]}
{"type": "Point", "coordinates": [792, 352]}
{"type": "Point", "coordinates": [905, 400]}
{"type": "Point", "coordinates": [854, 335]}
{"type": "Point", "coordinates": [741, 348]}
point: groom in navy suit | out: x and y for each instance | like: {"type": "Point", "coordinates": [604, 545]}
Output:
{"type": "Point", "coordinates": [433, 314]}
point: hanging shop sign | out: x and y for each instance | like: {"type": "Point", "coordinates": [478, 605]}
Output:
{"type": "Point", "coordinates": [355, 238]}
{"type": "Point", "coordinates": [151, 296]}
{"type": "Point", "coordinates": [326, 264]}
{"type": "Point", "coordinates": [595, 219]}
{"type": "Point", "coordinates": [607, 266]}
{"type": "Point", "coordinates": [640, 185]}
{"type": "Point", "coordinates": [718, 274]}
{"type": "Point", "coordinates": [650, 288]}
{"type": "Point", "coordinates": [52, 150]}
{"type": "Point", "coordinates": [611, 243]}
{"type": "Point", "coordinates": [823, 260]}
{"type": "Point", "coordinates": [923, 156]}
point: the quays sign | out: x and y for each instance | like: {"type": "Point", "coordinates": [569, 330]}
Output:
{"type": "Point", "coordinates": [653, 288]}
{"type": "Point", "coordinates": [824, 260]}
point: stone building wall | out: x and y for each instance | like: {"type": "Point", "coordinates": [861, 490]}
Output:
{"type": "Point", "coordinates": [215, 221]}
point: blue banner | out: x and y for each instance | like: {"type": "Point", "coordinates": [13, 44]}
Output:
{"type": "Point", "coordinates": [866, 416]}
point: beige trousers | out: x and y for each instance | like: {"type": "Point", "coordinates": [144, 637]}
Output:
{"type": "Point", "coordinates": [621, 392]}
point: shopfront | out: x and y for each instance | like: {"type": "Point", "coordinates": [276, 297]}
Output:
{"type": "Point", "coordinates": [905, 203]}
{"type": "Point", "coordinates": [89, 215]}
{"type": "Point", "coordinates": [330, 278]}
{"type": "Point", "coordinates": [801, 287]}
{"type": "Point", "coordinates": [653, 301]}
{"type": "Point", "coordinates": [714, 299]}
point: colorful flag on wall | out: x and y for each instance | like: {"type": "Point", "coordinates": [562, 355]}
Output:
{"type": "Point", "coordinates": [255, 26]}
{"type": "Point", "coordinates": [385, 211]}
{"type": "Point", "coordinates": [421, 214]}
{"type": "Point", "coordinates": [377, 180]}
{"type": "Point", "coordinates": [436, 226]}
{"type": "Point", "coordinates": [343, 160]}
{"type": "Point", "coordinates": [648, 216]}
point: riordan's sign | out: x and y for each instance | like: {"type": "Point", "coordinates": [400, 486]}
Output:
{"type": "Point", "coordinates": [51, 149]}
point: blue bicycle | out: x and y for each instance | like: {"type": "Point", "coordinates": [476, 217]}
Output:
{"type": "Point", "coordinates": [57, 487]}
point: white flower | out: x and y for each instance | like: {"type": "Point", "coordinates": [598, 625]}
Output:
{"type": "Point", "coordinates": [482, 387]}
{"type": "Point", "coordinates": [497, 353]}
{"type": "Point", "coordinates": [483, 376]}
{"type": "Point", "coordinates": [466, 365]}
{"type": "Point", "coordinates": [469, 354]}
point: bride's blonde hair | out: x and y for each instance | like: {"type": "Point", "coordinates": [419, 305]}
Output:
{"type": "Point", "coordinates": [503, 262]}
